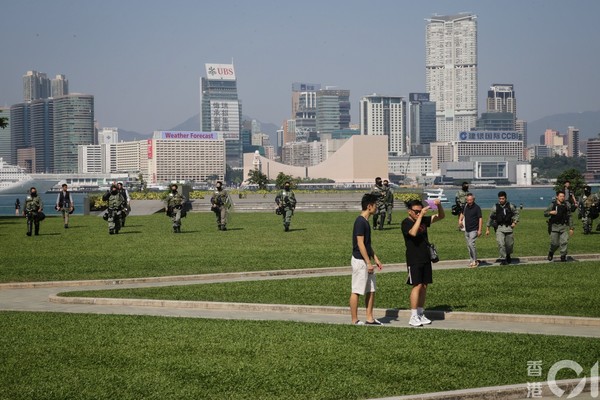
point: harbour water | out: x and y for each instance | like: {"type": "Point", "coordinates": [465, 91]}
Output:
{"type": "Point", "coordinates": [7, 203]}
{"type": "Point", "coordinates": [531, 197]}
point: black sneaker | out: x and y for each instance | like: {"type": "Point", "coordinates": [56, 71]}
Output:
{"type": "Point", "coordinates": [503, 262]}
{"type": "Point", "coordinates": [563, 258]}
{"type": "Point", "coordinates": [508, 259]}
{"type": "Point", "coordinates": [550, 256]}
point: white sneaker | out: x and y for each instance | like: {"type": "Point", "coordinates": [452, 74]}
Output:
{"type": "Point", "coordinates": [424, 319]}
{"type": "Point", "coordinates": [415, 321]}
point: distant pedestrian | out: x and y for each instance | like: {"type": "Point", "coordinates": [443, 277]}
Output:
{"type": "Point", "coordinates": [560, 225]}
{"type": "Point", "coordinates": [418, 259]}
{"type": "Point", "coordinates": [471, 220]}
{"type": "Point", "coordinates": [64, 204]}
{"type": "Point", "coordinates": [17, 207]}
{"type": "Point", "coordinates": [503, 218]}
{"type": "Point", "coordinates": [363, 257]}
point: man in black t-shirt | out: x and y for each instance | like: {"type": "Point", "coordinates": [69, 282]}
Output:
{"type": "Point", "coordinates": [418, 262]}
{"type": "Point", "coordinates": [363, 271]}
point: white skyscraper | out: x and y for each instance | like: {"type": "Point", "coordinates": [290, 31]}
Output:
{"type": "Point", "coordinates": [385, 115]}
{"type": "Point", "coordinates": [451, 72]}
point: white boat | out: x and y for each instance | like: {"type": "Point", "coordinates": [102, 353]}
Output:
{"type": "Point", "coordinates": [13, 178]}
{"type": "Point", "coordinates": [438, 193]}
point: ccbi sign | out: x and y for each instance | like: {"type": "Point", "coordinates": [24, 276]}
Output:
{"type": "Point", "coordinates": [220, 72]}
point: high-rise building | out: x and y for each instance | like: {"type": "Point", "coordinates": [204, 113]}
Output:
{"type": "Point", "coordinates": [6, 138]}
{"type": "Point", "coordinates": [593, 155]}
{"type": "Point", "coordinates": [36, 85]}
{"type": "Point", "coordinates": [451, 72]}
{"type": "Point", "coordinates": [60, 86]}
{"type": "Point", "coordinates": [521, 127]}
{"type": "Point", "coordinates": [304, 105]}
{"type": "Point", "coordinates": [385, 115]}
{"type": "Point", "coordinates": [496, 121]}
{"type": "Point", "coordinates": [422, 123]}
{"type": "Point", "coordinates": [573, 142]}
{"type": "Point", "coordinates": [73, 126]}
{"type": "Point", "coordinates": [221, 110]}
{"type": "Point", "coordinates": [501, 98]}
{"type": "Point", "coordinates": [333, 111]}
{"type": "Point", "coordinates": [19, 130]}
{"type": "Point", "coordinates": [41, 125]}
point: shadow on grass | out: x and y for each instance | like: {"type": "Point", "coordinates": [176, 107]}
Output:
{"type": "Point", "coordinates": [297, 229]}
{"type": "Point", "coordinates": [129, 232]}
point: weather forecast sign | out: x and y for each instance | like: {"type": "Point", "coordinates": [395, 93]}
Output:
{"type": "Point", "coordinates": [223, 72]}
{"type": "Point", "coordinates": [188, 135]}
{"type": "Point", "coordinates": [489, 135]}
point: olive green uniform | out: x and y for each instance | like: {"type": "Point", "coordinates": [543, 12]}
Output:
{"type": "Point", "coordinates": [501, 218]}
{"type": "Point", "coordinates": [220, 206]}
{"type": "Point", "coordinates": [389, 203]}
{"type": "Point", "coordinates": [588, 211]}
{"type": "Point", "coordinates": [32, 210]}
{"type": "Point", "coordinates": [116, 206]}
{"type": "Point", "coordinates": [379, 216]}
{"type": "Point", "coordinates": [286, 200]}
{"type": "Point", "coordinates": [174, 209]}
{"type": "Point", "coordinates": [559, 226]}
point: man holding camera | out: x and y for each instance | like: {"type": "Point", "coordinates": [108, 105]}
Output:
{"type": "Point", "coordinates": [64, 204]}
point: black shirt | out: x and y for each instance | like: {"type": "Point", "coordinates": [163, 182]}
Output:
{"type": "Point", "coordinates": [361, 228]}
{"type": "Point", "coordinates": [471, 217]}
{"type": "Point", "coordinates": [416, 246]}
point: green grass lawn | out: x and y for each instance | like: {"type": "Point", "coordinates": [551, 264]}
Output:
{"type": "Point", "coordinates": [254, 241]}
{"type": "Point", "coordinates": [66, 356]}
{"type": "Point", "coordinates": [551, 289]}
{"type": "Point", "coordinates": [70, 356]}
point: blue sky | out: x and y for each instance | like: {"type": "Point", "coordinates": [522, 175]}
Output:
{"type": "Point", "coordinates": [142, 60]}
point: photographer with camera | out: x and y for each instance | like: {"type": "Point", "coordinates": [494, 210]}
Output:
{"type": "Point", "coordinates": [286, 203]}
{"type": "Point", "coordinates": [64, 204]}
{"type": "Point", "coordinates": [116, 205]}
{"type": "Point", "coordinates": [174, 208]}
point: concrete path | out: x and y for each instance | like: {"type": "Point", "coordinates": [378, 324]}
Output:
{"type": "Point", "coordinates": [43, 297]}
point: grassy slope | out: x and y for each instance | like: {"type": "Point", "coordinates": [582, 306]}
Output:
{"type": "Point", "coordinates": [255, 241]}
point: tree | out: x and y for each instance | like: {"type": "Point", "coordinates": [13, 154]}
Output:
{"type": "Point", "coordinates": [575, 177]}
{"type": "Point", "coordinates": [258, 178]}
{"type": "Point", "coordinates": [283, 178]}
{"type": "Point", "coordinates": [233, 176]}
{"type": "Point", "coordinates": [3, 122]}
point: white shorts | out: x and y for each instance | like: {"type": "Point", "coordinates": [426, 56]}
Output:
{"type": "Point", "coordinates": [362, 280]}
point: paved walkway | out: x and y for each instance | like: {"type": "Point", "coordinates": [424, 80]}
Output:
{"type": "Point", "coordinates": [43, 297]}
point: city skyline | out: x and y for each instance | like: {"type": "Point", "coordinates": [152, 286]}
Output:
{"type": "Point", "coordinates": [143, 61]}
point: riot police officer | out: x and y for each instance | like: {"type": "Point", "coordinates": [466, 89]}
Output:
{"type": "Point", "coordinates": [33, 211]}
{"type": "Point", "coordinates": [116, 206]}
{"type": "Point", "coordinates": [504, 216]}
{"type": "Point", "coordinates": [125, 195]}
{"type": "Point", "coordinates": [381, 192]}
{"type": "Point", "coordinates": [220, 205]}
{"type": "Point", "coordinates": [588, 209]}
{"type": "Point", "coordinates": [560, 225]}
{"type": "Point", "coordinates": [174, 209]}
{"type": "Point", "coordinates": [286, 203]}
{"type": "Point", "coordinates": [389, 201]}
